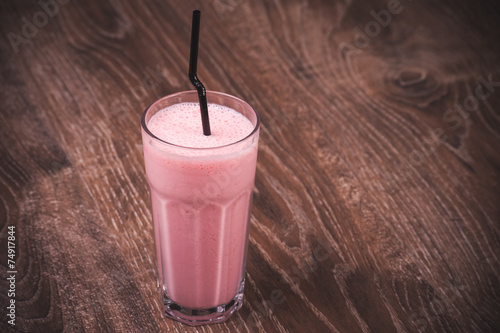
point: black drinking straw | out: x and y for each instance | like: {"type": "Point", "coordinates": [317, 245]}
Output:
{"type": "Point", "coordinates": [193, 63]}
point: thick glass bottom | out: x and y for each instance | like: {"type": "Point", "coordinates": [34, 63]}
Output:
{"type": "Point", "coordinates": [196, 317]}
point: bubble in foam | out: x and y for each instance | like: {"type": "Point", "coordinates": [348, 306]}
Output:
{"type": "Point", "coordinates": [180, 124]}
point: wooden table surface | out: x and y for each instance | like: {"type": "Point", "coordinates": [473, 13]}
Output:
{"type": "Point", "coordinates": [376, 203]}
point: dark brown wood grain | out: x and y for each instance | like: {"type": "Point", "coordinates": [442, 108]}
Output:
{"type": "Point", "coordinates": [377, 200]}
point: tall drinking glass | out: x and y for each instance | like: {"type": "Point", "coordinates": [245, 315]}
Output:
{"type": "Point", "coordinates": [201, 202]}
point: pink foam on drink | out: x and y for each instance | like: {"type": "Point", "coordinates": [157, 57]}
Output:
{"type": "Point", "coordinates": [201, 201]}
{"type": "Point", "coordinates": [180, 124]}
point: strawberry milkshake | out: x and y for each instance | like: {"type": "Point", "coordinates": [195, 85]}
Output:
{"type": "Point", "coordinates": [201, 193]}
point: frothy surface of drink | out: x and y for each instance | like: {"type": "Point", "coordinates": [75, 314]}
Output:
{"type": "Point", "coordinates": [180, 124]}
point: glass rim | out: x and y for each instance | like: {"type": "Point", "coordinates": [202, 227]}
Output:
{"type": "Point", "coordinates": [146, 129]}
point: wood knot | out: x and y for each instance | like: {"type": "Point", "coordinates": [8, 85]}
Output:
{"type": "Point", "coordinates": [410, 76]}
{"type": "Point", "coordinates": [414, 85]}
{"type": "Point", "coordinates": [321, 142]}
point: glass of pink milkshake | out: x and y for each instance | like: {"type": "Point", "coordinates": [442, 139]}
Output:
{"type": "Point", "coordinates": [201, 193]}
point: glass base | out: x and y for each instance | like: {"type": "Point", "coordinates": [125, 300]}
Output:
{"type": "Point", "coordinates": [196, 317]}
